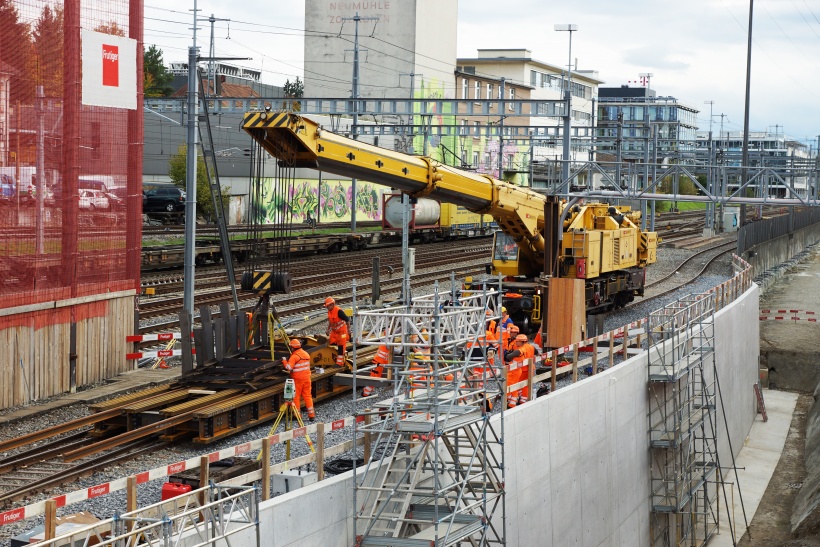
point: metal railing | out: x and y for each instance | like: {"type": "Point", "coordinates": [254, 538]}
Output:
{"type": "Point", "coordinates": [181, 520]}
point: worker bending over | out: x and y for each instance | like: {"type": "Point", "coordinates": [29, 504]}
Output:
{"type": "Point", "coordinates": [521, 359]}
{"type": "Point", "coordinates": [382, 358]}
{"type": "Point", "coordinates": [337, 331]}
{"type": "Point", "coordinates": [298, 365]}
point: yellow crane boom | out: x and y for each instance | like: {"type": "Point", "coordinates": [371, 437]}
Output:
{"type": "Point", "coordinates": [300, 142]}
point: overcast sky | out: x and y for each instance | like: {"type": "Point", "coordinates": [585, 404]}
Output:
{"type": "Point", "coordinates": [696, 50]}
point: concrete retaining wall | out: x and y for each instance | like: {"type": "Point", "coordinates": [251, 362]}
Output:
{"type": "Point", "coordinates": [768, 255]}
{"type": "Point", "coordinates": [577, 459]}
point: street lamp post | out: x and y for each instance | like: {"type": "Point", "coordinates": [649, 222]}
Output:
{"type": "Point", "coordinates": [568, 106]}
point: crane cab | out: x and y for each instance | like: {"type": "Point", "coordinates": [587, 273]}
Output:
{"type": "Point", "coordinates": [505, 255]}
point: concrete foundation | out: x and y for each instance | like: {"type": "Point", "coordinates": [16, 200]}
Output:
{"type": "Point", "coordinates": [577, 459]}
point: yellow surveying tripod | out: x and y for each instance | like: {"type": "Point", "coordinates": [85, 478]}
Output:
{"type": "Point", "coordinates": [291, 414]}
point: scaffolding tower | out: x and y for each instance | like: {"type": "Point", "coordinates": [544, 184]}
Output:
{"type": "Point", "coordinates": [683, 422]}
{"type": "Point", "coordinates": [436, 476]}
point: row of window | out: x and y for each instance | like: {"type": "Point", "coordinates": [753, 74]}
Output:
{"type": "Point", "coordinates": [487, 164]}
{"type": "Point", "coordinates": [555, 82]}
{"type": "Point", "coordinates": [476, 91]}
{"type": "Point", "coordinates": [653, 113]}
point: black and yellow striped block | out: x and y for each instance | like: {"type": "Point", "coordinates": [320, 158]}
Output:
{"type": "Point", "coordinates": [265, 119]}
{"type": "Point", "coordinates": [266, 282]}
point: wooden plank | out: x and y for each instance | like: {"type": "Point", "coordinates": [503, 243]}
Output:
{"type": "Point", "coordinates": [207, 333]}
{"type": "Point", "coordinates": [225, 315]}
{"type": "Point", "coordinates": [242, 332]}
{"type": "Point", "coordinates": [199, 343]}
{"type": "Point", "coordinates": [566, 312]}
{"type": "Point", "coordinates": [233, 344]}
{"type": "Point", "coordinates": [219, 339]}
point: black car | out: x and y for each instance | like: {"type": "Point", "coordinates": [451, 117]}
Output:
{"type": "Point", "coordinates": [165, 200]}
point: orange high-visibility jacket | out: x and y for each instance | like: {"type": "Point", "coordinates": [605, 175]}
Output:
{"type": "Point", "coordinates": [299, 365]}
{"type": "Point", "coordinates": [338, 326]}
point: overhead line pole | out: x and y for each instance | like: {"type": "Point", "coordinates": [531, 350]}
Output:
{"type": "Point", "coordinates": [568, 107]}
{"type": "Point", "coordinates": [355, 94]}
{"type": "Point", "coordinates": [190, 179]}
{"type": "Point", "coordinates": [744, 167]}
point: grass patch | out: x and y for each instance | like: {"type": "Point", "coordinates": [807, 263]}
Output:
{"type": "Point", "coordinates": [666, 206]}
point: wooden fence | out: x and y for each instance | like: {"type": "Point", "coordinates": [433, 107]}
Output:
{"type": "Point", "coordinates": [56, 347]}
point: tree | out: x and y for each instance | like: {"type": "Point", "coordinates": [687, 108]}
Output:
{"type": "Point", "coordinates": [294, 90]}
{"type": "Point", "coordinates": [16, 52]}
{"type": "Point", "coordinates": [48, 46]}
{"type": "Point", "coordinates": [110, 27]}
{"type": "Point", "coordinates": [177, 171]}
{"type": "Point", "coordinates": [155, 76]}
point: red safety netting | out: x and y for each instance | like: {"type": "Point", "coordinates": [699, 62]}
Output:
{"type": "Point", "coordinates": [71, 134]}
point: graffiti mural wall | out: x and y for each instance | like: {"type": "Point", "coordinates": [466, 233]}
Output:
{"type": "Point", "coordinates": [326, 201]}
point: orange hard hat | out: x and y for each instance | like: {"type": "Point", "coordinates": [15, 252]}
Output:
{"type": "Point", "coordinates": [513, 328]}
{"type": "Point", "coordinates": [329, 301]}
{"type": "Point", "coordinates": [521, 338]}
{"type": "Point", "coordinates": [295, 344]}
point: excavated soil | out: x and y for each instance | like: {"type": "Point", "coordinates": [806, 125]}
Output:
{"type": "Point", "coordinates": [771, 525]}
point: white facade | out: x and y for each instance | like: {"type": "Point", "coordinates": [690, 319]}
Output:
{"type": "Point", "coordinates": [410, 36]}
{"type": "Point", "coordinates": [546, 82]}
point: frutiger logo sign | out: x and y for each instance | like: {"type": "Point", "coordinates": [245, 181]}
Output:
{"type": "Point", "coordinates": [111, 65]}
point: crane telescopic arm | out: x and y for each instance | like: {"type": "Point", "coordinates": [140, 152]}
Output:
{"type": "Point", "coordinates": [297, 141]}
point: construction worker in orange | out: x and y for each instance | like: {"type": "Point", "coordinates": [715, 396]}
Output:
{"type": "Point", "coordinates": [521, 358]}
{"type": "Point", "coordinates": [492, 326]}
{"type": "Point", "coordinates": [298, 365]}
{"type": "Point", "coordinates": [382, 358]}
{"type": "Point", "coordinates": [419, 364]}
{"type": "Point", "coordinates": [337, 331]}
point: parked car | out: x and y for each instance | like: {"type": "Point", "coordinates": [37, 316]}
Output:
{"type": "Point", "coordinates": [93, 199]}
{"type": "Point", "coordinates": [7, 188]}
{"type": "Point", "coordinates": [165, 199]}
{"type": "Point", "coordinates": [115, 201]}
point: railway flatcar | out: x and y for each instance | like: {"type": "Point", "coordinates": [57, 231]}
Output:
{"type": "Point", "coordinates": [432, 220]}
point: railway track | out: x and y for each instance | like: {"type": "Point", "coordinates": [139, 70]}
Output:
{"type": "Point", "coordinates": [689, 268]}
{"type": "Point", "coordinates": [306, 278]}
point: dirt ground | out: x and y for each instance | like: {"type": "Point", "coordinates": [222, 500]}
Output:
{"type": "Point", "coordinates": [771, 525]}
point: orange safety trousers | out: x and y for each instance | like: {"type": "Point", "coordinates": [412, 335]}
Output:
{"type": "Point", "coordinates": [519, 372]}
{"type": "Point", "coordinates": [299, 367]}
{"type": "Point", "coordinates": [382, 358]}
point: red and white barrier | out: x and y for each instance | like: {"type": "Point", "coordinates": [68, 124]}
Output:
{"type": "Point", "coordinates": [157, 353]}
{"type": "Point", "coordinates": [39, 508]}
{"type": "Point", "coordinates": [157, 337]}
{"type": "Point", "coordinates": [788, 315]}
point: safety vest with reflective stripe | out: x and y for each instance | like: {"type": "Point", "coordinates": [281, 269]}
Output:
{"type": "Point", "coordinates": [333, 319]}
{"type": "Point", "coordinates": [299, 364]}
{"type": "Point", "coordinates": [382, 355]}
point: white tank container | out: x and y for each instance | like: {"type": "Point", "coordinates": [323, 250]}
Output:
{"type": "Point", "coordinates": [427, 212]}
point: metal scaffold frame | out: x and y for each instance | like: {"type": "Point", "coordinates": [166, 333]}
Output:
{"type": "Point", "coordinates": [436, 476]}
{"type": "Point", "coordinates": [683, 422]}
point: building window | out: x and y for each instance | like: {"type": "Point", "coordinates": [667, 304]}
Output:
{"type": "Point", "coordinates": [475, 159]}
{"type": "Point", "coordinates": [464, 130]}
{"type": "Point", "coordinates": [477, 90]}
{"type": "Point", "coordinates": [465, 88]}
{"type": "Point", "coordinates": [487, 160]}
{"type": "Point", "coordinates": [533, 78]}
{"type": "Point", "coordinates": [489, 91]}
{"type": "Point", "coordinates": [512, 98]}
{"type": "Point", "coordinates": [476, 129]}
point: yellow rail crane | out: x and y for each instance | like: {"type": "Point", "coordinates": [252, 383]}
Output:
{"type": "Point", "coordinates": [597, 246]}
